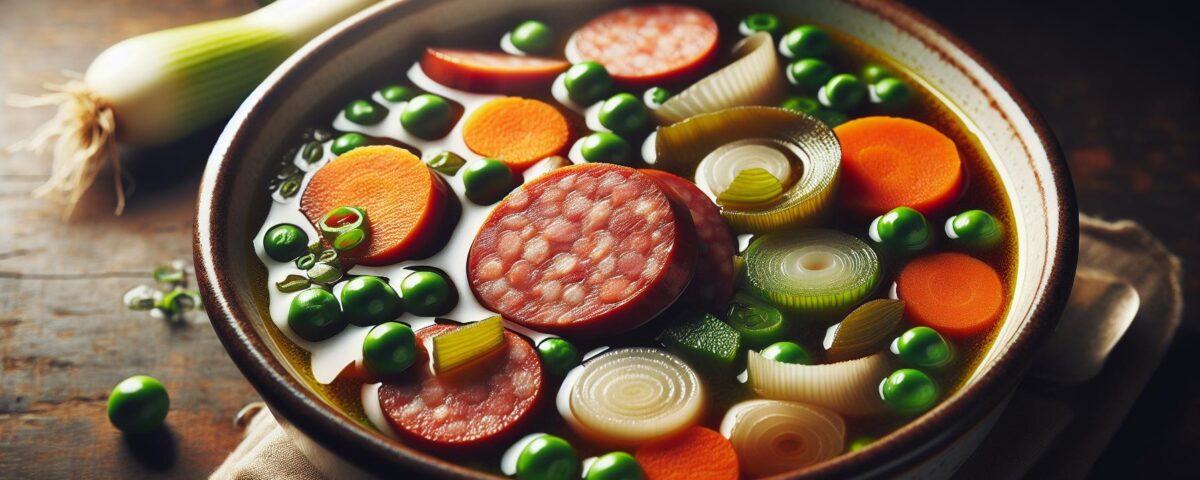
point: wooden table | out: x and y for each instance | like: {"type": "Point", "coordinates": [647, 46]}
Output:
{"type": "Point", "coordinates": [1121, 98]}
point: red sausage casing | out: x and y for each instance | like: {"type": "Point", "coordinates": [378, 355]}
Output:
{"type": "Point", "coordinates": [474, 406]}
{"type": "Point", "coordinates": [587, 250]}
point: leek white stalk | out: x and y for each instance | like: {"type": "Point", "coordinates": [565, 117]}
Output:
{"type": "Point", "coordinates": [849, 387]}
{"type": "Point", "coordinates": [630, 396]}
{"type": "Point", "coordinates": [159, 87]}
{"type": "Point", "coordinates": [772, 437]}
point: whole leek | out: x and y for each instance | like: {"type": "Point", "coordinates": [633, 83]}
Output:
{"type": "Point", "coordinates": [159, 87]}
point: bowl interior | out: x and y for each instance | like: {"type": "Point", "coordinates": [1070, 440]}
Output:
{"type": "Point", "coordinates": [378, 45]}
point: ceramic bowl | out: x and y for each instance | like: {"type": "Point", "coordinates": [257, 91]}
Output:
{"type": "Point", "coordinates": [378, 44]}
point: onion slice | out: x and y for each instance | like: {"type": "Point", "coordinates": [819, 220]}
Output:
{"type": "Point", "coordinates": [814, 272]}
{"type": "Point", "coordinates": [798, 150]}
{"type": "Point", "coordinates": [868, 329]}
{"type": "Point", "coordinates": [772, 436]}
{"type": "Point", "coordinates": [630, 396]}
{"type": "Point", "coordinates": [850, 388]}
{"type": "Point", "coordinates": [752, 79]}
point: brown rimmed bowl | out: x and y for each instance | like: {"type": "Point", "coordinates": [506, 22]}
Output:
{"type": "Point", "coordinates": [378, 44]}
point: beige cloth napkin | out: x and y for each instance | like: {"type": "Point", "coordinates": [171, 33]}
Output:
{"type": "Point", "coordinates": [1120, 266]}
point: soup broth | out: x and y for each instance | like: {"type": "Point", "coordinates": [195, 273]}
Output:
{"type": "Point", "coordinates": [435, 258]}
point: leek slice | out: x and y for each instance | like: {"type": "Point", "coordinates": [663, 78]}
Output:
{"type": "Point", "coordinates": [629, 396]}
{"type": "Point", "coordinates": [850, 388]}
{"type": "Point", "coordinates": [868, 329]}
{"type": "Point", "coordinates": [815, 272]}
{"type": "Point", "coordinates": [753, 187]}
{"type": "Point", "coordinates": [798, 150]}
{"type": "Point", "coordinates": [464, 344]}
{"type": "Point", "coordinates": [752, 79]}
{"type": "Point", "coordinates": [772, 437]}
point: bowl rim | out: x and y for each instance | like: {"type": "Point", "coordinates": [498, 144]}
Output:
{"type": "Point", "coordinates": [371, 451]}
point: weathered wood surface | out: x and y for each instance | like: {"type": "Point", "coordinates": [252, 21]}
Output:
{"type": "Point", "coordinates": [1117, 84]}
{"type": "Point", "coordinates": [65, 338]}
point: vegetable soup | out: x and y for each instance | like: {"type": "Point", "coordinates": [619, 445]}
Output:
{"type": "Point", "coordinates": [657, 243]}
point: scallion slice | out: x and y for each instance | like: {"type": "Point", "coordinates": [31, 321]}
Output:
{"type": "Point", "coordinates": [815, 272]}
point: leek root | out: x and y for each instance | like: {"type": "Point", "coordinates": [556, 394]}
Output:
{"type": "Point", "coordinates": [159, 87]}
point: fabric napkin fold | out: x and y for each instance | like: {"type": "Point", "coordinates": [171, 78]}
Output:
{"type": "Point", "coordinates": [1123, 271]}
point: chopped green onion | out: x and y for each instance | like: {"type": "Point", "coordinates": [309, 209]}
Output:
{"type": "Point", "coordinates": [349, 240]}
{"type": "Point", "coordinates": [324, 273]}
{"type": "Point", "coordinates": [293, 283]}
{"type": "Point", "coordinates": [306, 262]}
{"type": "Point", "coordinates": [313, 151]}
{"type": "Point", "coordinates": [447, 163]}
{"type": "Point", "coordinates": [169, 274]}
{"type": "Point", "coordinates": [341, 220]}
{"type": "Point", "coordinates": [141, 298]}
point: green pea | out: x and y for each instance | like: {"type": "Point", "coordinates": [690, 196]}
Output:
{"type": "Point", "coordinates": [487, 180]}
{"type": "Point", "coordinates": [532, 36]}
{"type": "Point", "coordinates": [806, 41]}
{"type": "Point", "coordinates": [801, 105]}
{"type": "Point", "coordinates": [427, 294]}
{"type": "Point", "coordinates": [760, 22]}
{"type": "Point", "coordinates": [872, 73]}
{"type": "Point", "coordinates": [604, 147]}
{"type": "Point", "coordinates": [315, 315]}
{"type": "Point", "coordinates": [974, 228]}
{"type": "Point", "coordinates": [861, 443]}
{"type": "Point", "coordinates": [615, 466]}
{"type": "Point", "coordinates": [624, 114]}
{"type": "Point", "coordinates": [347, 142]}
{"type": "Point", "coordinates": [656, 96]}
{"type": "Point", "coordinates": [809, 73]}
{"type": "Point", "coordinates": [892, 92]}
{"type": "Point", "coordinates": [558, 355]}
{"type": "Point", "coordinates": [548, 458]}
{"type": "Point", "coordinates": [909, 391]}
{"type": "Point", "coordinates": [587, 82]}
{"type": "Point", "coordinates": [369, 300]}
{"type": "Point", "coordinates": [787, 352]}
{"type": "Point", "coordinates": [427, 116]}
{"type": "Point", "coordinates": [365, 112]}
{"type": "Point", "coordinates": [447, 163]}
{"type": "Point", "coordinates": [397, 93]}
{"type": "Point", "coordinates": [389, 349]}
{"type": "Point", "coordinates": [284, 242]}
{"type": "Point", "coordinates": [923, 347]}
{"type": "Point", "coordinates": [902, 229]}
{"type": "Point", "coordinates": [844, 91]}
{"type": "Point", "coordinates": [138, 404]}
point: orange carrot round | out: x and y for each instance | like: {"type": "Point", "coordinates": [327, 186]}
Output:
{"type": "Point", "coordinates": [952, 293]}
{"type": "Point", "coordinates": [406, 204]}
{"type": "Point", "coordinates": [696, 453]}
{"type": "Point", "coordinates": [889, 162]}
{"type": "Point", "coordinates": [518, 131]}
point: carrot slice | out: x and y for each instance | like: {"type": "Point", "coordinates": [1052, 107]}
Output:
{"type": "Point", "coordinates": [407, 205]}
{"type": "Point", "coordinates": [952, 293]}
{"type": "Point", "coordinates": [696, 453]}
{"type": "Point", "coordinates": [889, 162]}
{"type": "Point", "coordinates": [517, 131]}
{"type": "Point", "coordinates": [490, 72]}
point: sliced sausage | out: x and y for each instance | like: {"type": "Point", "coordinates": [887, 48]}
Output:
{"type": "Point", "coordinates": [471, 407]}
{"type": "Point", "coordinates": [647, 44]}
{"type": "Point", "coordinates": [587, 250]}
{"type": "Point", "coordinates": [490, 72]}
{"type": "Point", "coordinates": [712, 287]}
